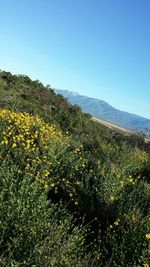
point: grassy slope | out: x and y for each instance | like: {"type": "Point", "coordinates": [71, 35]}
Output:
{"type": "Point", "coordinates": [20, 93]}
{"type": "Point", "coordinates": [106, 167]}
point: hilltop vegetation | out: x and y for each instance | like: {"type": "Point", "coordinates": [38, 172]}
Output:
{"type": "Point", "coordinates": [73, 193]}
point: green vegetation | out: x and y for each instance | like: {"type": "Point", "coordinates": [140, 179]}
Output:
{"type": "Point", "coordinates": [73, 193]}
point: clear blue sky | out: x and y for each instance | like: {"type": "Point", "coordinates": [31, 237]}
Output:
{"type": "Point", "coordinates": [99, 48]}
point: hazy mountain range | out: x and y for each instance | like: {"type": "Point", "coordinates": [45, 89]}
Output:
{"type": "Point", "coordinates": [102, 110]}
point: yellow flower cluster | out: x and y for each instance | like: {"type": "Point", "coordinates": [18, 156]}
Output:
{"type": "Point", "coordinates": [33, 138]}
{"type": "Point", "coordinates": [24, 130]}
{"type": "Point", "coordinates": [141, 156]}
{"type": "Point", "coordinates": [36, 147]}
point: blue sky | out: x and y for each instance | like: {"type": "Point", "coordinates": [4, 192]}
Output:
{"type": "Point", "coordinates": [99, 48]}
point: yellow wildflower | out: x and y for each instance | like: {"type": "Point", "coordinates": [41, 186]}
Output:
{"type": "Point", "coordinates": [117, 222]}
{"type": "Point", "coordinates": [46, 186]}
{"type": "Point", "coordinates": [112, 198]}
{"type": "Point", "coordinates": [77, 183]}
{"type": "Point", "coordinates": [147, 236]}
{"type": "Point", "coordinates": [14, 145]}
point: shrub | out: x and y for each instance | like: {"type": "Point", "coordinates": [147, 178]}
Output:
{"type": "Point", "coordinates": [35, 232]}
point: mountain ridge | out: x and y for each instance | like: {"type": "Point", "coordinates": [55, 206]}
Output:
{"type": "Point", "coordinates": [100, 109]}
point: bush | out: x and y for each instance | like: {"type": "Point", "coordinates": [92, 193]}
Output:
{"type": "Point", "coordinates": [35, 232]}
{"type": "Point", "coordinates": [126, 242]}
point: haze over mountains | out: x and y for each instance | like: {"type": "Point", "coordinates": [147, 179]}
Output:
{"type": "Point", "coordinates": [102, 110]}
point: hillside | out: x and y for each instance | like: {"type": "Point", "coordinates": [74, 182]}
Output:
{"type": "Point", "coordinates": [73, 192]}
{"type": "Point", "coordinates": [20, 93]}
{"type": "Point", "coordinates": [102, 110]}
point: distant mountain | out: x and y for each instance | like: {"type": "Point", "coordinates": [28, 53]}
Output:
{"type": "Point", "coordinates": [102, 110]}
